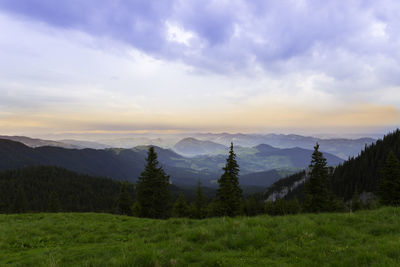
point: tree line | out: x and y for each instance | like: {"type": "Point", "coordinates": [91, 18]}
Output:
{"type": "Point", "coordinates": [55, 189]}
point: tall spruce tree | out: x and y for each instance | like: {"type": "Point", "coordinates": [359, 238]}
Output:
{"type": "Point", "coordinates": [389, 188]}
{"type": "Point", "coordinates": [54, 202]}
{"type": "Point", "coordinates": [199, 205]}
{"type": "Point", "coordinates": [20, 203]}
{"type": "Point", "coordinates": [229, 193]}
{"type": "Point", "coordinates": [317, 196]}
{"type": "Point", "coordinates": [124, 201]}
{"type": "Point", "coordinates": [181, 208]}
{"type": "Point", "coordinates": [153, 194]}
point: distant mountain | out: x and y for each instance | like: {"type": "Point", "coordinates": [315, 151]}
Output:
{"type": "Point", "coordinates": [299, 157]}
{"type": "Point", "coordinates": [34, 142]}
{"type": "Point", "coordinates": [120, 164]}
{"type": "Point", "coordinates": [340, 147]}
{"type": "Point", "coordinates": [129, 142]}
{"type": "Point", "coordinates": [84, 144]}
{"type": "Point", "coordinates": [127, 164]}
{"type": "Point", "coordinates": [262, 158]}
{"type": "Point", "coordinates": [193, 147]}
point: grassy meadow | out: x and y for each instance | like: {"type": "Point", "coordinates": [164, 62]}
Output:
{"type": "Point", "coordinates": [365, 238]}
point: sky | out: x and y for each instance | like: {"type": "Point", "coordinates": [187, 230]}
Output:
{"type": "Point", "coordinates": [114, 66]}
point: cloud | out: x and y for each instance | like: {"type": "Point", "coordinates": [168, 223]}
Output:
{"type": "Point", "coordinates": [264, 61]}
{"type": "Point", "coordinates": [234, 35]}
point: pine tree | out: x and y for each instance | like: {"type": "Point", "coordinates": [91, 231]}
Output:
{"type": "Point", "coordinates": [389, 189]}
{"type": "Point", "coordinates": [199, 207]}
{"type": "Point", "coordinates": [269, 207]}
{"type": "Point", "coordinates": [153, 194]}
{"type": "Point", "coordinates": [3, 208]}
{"type": "Point", "coordinates": [317, 196]}
{"type": "Point", "coordinates": [54, 202]}
{"type": "Point", "coordinates": [20, 203]}
{"type": "Point", "coordinates": [356, 203]}
{"type": "Point", "coordinates": [136, 209]}
{"type": "Point", "coordinates": [229, 193]}
{"type": "Point", "coordinates": [124, 201]}
{"type": "Point", "coordinates": [181, 208]}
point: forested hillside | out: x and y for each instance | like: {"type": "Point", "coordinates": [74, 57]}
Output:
{"type": "Point", "coordinates": [363, 173]}
{"type": "Point", "coordinates": [356, 175]}
{"type": "Point", "coordinates": [120, 164]}
{"type": "Point", "coordinates": [55, 189]}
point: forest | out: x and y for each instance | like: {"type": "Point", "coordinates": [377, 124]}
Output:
{"type": "Point", "coordinates": [367, 181]}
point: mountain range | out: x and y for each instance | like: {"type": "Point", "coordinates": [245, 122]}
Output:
{"type": "Point", "coordinates": [198, 144]}
{"type": "Point", "coordinates": [340, 147]}
{"type": "Point", "coordinates": [127, 164]}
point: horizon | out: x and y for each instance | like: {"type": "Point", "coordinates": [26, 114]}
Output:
{"type": "Point", "coordinates": [121, 67]}
{"type": "Point", "coordinates": [103, 136]}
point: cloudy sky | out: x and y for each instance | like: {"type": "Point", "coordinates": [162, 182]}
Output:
{"type": "Point", "coordinates": [183, 65]}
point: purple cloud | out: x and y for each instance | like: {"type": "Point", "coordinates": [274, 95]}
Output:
{"type": "Point", "coordinates": [234, 35]}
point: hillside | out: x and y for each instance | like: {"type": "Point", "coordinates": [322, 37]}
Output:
{"type": "Point", "coordinates": [367, 238]}
{"type": "Point", "coordinates": [264, 179]}
{"type": "Point", "coordinates": [363, 172]}
{"type": "Point", "coordinates": [192, 147]}
{"type": "Point", "coordinates": [84, 144]}
{"type": "Point", "coordinates": [120, 164]}
{"type": "Point", "coordinates": [287, 187]}
{"type": "Point", "coordinates": [127, 164]}
{"type": "Point", "coordinates": [45, 188]}
{"type": "Point", "coordinates": [34, 142]}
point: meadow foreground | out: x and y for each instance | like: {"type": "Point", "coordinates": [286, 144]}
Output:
{"type": "Point", "coordinates": [366, 238]}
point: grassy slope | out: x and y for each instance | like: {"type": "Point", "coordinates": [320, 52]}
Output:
{"type": "Point", "coordinates": [89, 239]}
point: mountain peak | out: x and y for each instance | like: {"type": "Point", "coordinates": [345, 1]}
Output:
{"type": "Point", "coordinates": [190, 146]}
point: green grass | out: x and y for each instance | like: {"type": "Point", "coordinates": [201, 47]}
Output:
{"type": "Point", "coordinates": [367, 238]}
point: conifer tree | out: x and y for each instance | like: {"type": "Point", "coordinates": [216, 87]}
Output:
{"type": "Point", "coordinates": [180, 209]}
{"type": "Point", "coordinates": [2, 207]}
{"type": "Point", "coordinates": [389, 189]}
{"type": "Point", "coordinates": [199, 207]}
{"type": "Point", "coordinates": [356, 203]}
{"type": "Point", "coordinates": [20, 203]}
{"type": "Point", "coordinates": [54, 202]}
{"type": "Point", "coordinates": [317, 196]}
{"type": "Point", "coordinates": [124, 200]}
{"type": "Point", "coordinates": [153, 194]}
{"type": "Point", "coordinates": [229, 193]}
{"type": "Point", "coordinates": [136, 209]}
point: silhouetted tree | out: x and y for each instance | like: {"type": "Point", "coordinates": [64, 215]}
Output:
{"type": "Point", "coordinates": [136, 209]}
{"type": "Point", "coordinates": [54, 202]}
{"type": "Point", "coordinates": [153, 194]}
{"type": "Point", "coordinates": [317, 197]}
{"type": "Point", "coordinates": [3, 208]}
{"type": "Point", "coordinates": [253, 206]}
{"type": "Point", "coordinates": [389, 189]}
{"type": "Point", "coordinates": [124, 201]}
{"type": "Point", "coordinates": [356, 203]}
{"type": "Point", "coordinates": [229, 193]}
{"type": "Point", "coordinates": [198, 208]}
{"type": "Point", "coordinates": [20, 203]}
{"type": "Point", "coordinates": [181, 208]}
